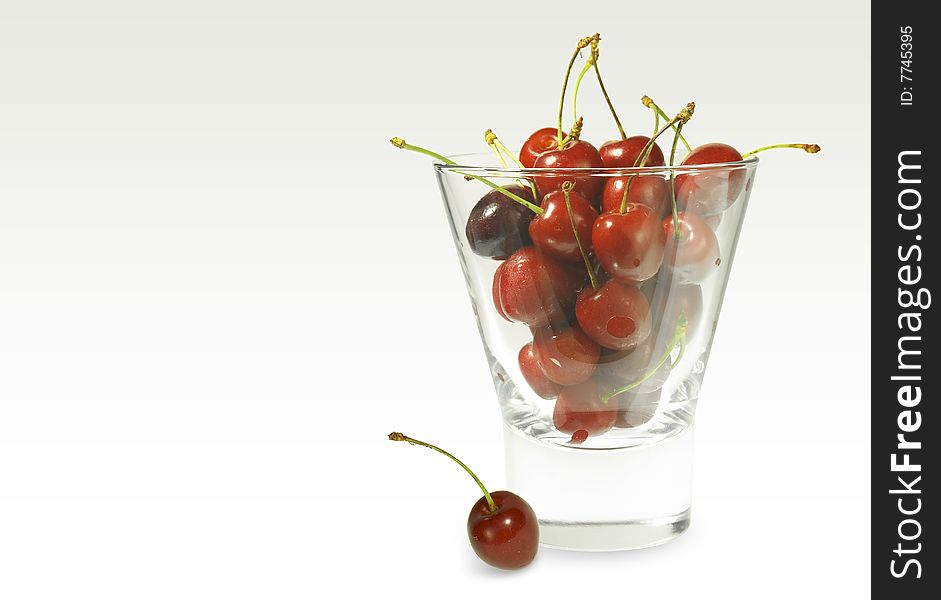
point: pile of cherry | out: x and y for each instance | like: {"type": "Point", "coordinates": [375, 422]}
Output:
{"type": "Point", "coordinates": [581, 255]}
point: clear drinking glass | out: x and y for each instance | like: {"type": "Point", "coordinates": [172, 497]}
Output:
{"type": "Point", "coordinates": [628, 485]}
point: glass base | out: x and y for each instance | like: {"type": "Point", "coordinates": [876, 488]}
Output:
{"type": "Point", "coordinates": [604, 499]}
{"type": "Point", "coordinates": [603, 537]}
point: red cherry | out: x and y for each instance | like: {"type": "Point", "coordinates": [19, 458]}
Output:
{"type": "Point", "coordinates": [506, 538]}
{"type": "Point", "coordinates": [624, 153]}
{"type": "Point", "coordinates": [622, 368]}
{"type": "Point", "coordinates": [694, 255]}
{"type": "Point", "coordinates": [567, 357]}
{"type": "Point", "coordinates": [502, 527]}
{"type": "Point", "coordinates": [710, 191]}
{"type": "Point", "coordinates": [497, 225]}
{"type": "Point", "coordinates": [616, 315]}
{"type": "Point", "coordinates": [649, 190]}
{"type": "Point", "coordinates": [534, 375]}
{"type": "Point", "coordinates": [630, 245]}
{"type": "Point", "coordinates": [552, 230]}
{"type": "Point", "coordinates": [540, 141]}
{"type": "Point", "coordinates": [580, 407]}
{"type": "Point", "coordinates": [576, 154]}
{"type": "Point", "coordinates": [531, 288]}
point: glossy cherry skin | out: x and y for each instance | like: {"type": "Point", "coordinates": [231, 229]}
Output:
{"type": "Point", "coordinates": [534, 375]}
{"type": "Point", "coordinates": [711, 191]}
{"type": "Point", "coordinates": [506, 538]}
{"type": "Point", "coordinates": [552, 230]}
{"type": "Point", "coordinates": [630, 245]}
{"type": "Point", "coordinates": [540, 141]}
{"type": "Point", "coordinates": [649, 190]}
{"type": "Point", "coordinates": [566, 356]}
{"type": "Point", "coordinates": [532, 288]}
{"type": "Point", "coordinates": [579, 407]}
{"type": "Point", "coordinates": [694, 255]}
{"type": "Point", "coordinates": [616, 315]}
{"type": "Point", "coordinates": [576, 154]}
{"type": "Point", "coordinates": [624, 153]}
{"type": "Point", "coordinates": [499, 226]}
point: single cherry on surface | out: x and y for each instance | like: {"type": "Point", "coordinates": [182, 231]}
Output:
{"type": "Point", "coordinates": [497, 225]}
{"type": "Point", "coordinates": [616, 315]}
{"type": "Point", "coordinates": [501, 526]}
{"type": "Point", "coordinates": [692, 248]}
{"type": "Point", "coordinates": [567, 357]}
{"type": "Point", "coordinates": [552, 230]}
{"type": "Point", "coordinates": [626, 153]}
{"type": "Point", "coordinates": [629, 245]}
{"type": "Point", "coordinates": [534, 375]}
{"type": "Point", "coordinates": [579, 407]}
{"type": "Point", "coordinates": [649, 190]}
{"type": "Point", "coordinates": [532, 288]}
{"type": "Point", "coordinates": [537, 143]}
{"type": "Point", "coordinates": [574, 154]}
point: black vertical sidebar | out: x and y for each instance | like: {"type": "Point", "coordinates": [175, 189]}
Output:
{"type": "Point", "coordinates": [905, 265]}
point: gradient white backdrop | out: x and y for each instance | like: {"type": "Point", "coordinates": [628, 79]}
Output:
{"type": "Point", "coordinates": [220, 288]}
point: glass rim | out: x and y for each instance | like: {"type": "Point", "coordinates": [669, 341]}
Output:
{"type": "Point", "coordinates": [518, 172]}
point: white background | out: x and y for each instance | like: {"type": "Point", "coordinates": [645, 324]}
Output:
{"type": "Point", "coordinates": [220, 288]}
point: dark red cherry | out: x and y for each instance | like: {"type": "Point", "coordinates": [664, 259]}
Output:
{"type": "Point", "coordinates": [576, 154]}
{"type": "Point", "coordinates": [630, 245]}
{"type": "Point", "coordinates": [506, 538]}
{"type": "Point", "coordinates": [567, 356]}
{"type": "Point", "coordinates": [692, 249]}
{"type": "Point", "coordinates": [710, 190]}
{"type": "Point", "coordinates": [681, 299]}
{"type": "Point", "coordinates": [649, 190]}
{"type": "Point", "coordinates": [532, 288]}
{"type": "Point", "coordinates": [580, 407]}
{"type": "Point", "coordinates": [616, 315]}
{"type": "Point", "coordinates": [552, 230]}
{"type": "Point", "coordinates": [499, 226]}
{"type": "Point", "coordinates": [624, 153]}
{"type": "Point", "coordinates": [534, 375]}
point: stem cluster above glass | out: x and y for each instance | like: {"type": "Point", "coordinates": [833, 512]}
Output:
{"type": "Point", "coordinates": [597, 273]}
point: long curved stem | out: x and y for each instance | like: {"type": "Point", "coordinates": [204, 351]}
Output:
{"type": "Point", "coordinates": [808, 148]}
{"type": "Point", "coordinates": [679, 335]}
{"type": "Point", "coordinates": [684, 115]}
{"type": "Point", "coordinates": [398, 437]}
{"type": "Point", "coordinates": [649, 103]}
{"type": "Point", "coordinates": [567, 190]}
{"type": "Point", "coordinates": [604, 92]}
{"type": "Point", "coordinates": [400, 143]}
{"type": "Point", "coordinates": [582, 44]}
{"type": "Point", "coordinates": [578, 83]}
{"type": "Point", "coordinates": [491, 138]}
{"type": "Point", "coordinates": [676, 216]}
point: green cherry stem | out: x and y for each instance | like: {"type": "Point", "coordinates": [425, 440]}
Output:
{"type": "Point", "coordinates": [491, 138]}
{"type": "Point", "coordinates": [679, 335]}
{"type": "Point", "coordinates": [400, 143]}
{"type": "Point", "coordinates": [395, 436]}
{"type": "Point", "coordinates": [658, 112]}
{"type": "Point", "coordinates": [808, 148]}
{"type": "Point", "coordinates": [578, 83]}
{"type": "Point", "coordinates": [498, 147]}
{"type": "Point", "coordinates": [594, 61]}
{"type": "Point", "coordinates": [676, 216]}
{"type": "Point", "coordinates": [574, 132]}
{"type": "Point", "coordinates": [683, 116]}
{"type": "Point", "coordinates": [582, 44]}
{"type": "Point", "coordinates": [567, 190]}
